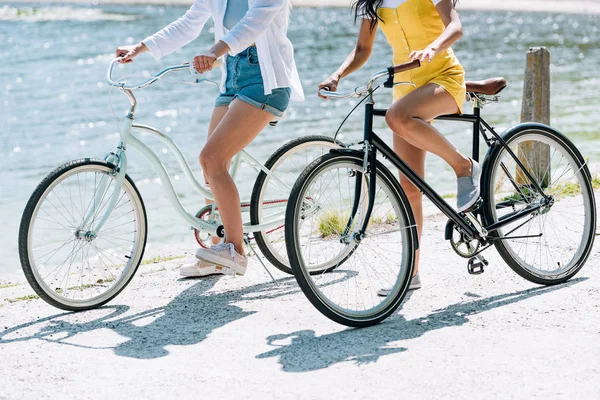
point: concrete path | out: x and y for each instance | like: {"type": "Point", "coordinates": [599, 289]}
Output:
{"type": "Point", "coordinates": [492, 336]}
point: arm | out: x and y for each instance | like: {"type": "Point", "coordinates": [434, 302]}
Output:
{"type": "Point", "coordinates": [243, 34]}
{"type": "Point", "coordinates": [172, 37]}
{"type": "Point", "coordinates": [179, 33]}
{"type": "Point", "coordinates": [255, 22]}
{"type": "Point", "coordinates": [451, 34]}
{"type": "Point", "coordinates": [356, 58]}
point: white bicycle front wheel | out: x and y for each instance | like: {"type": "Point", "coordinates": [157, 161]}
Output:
{"type": "Point", "coordinates": [65, 263]}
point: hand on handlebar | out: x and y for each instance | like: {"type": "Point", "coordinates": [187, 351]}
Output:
{"type": "Point", "coordinates": [204, 62]}
{"type": "Point", "coordinates": [426, 54]}
{"type": "Point", "coordinates": [329, 84]}
{"type": "Point", "coordinates": [126, 54]}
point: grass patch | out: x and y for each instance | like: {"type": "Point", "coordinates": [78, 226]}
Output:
{"type": "Point", "coordinates": [449, 196]}
{"type": "Point", "coordinates": [391, 219]}
{"type": "Point", "coordinates": [332, 223]}
{"type": "Point", "coordinates": [27, 12]}
{"type": "Point", "coordinates": [23, 298]}
{"type": "Point", "coordinates": [159, 259]}
{"type": "Point", "coordinates": [518, 196]}
{"type": "Point", "coordinates": [9, 285]}
{"type": "Point", "coordinates": [388, 219]}
{"type": "Point", "coordinates": [376, 220]}
{"type": "Point", "coordinates": [560, 191]}
{"type": "Point", "coordinates": [568, 190]}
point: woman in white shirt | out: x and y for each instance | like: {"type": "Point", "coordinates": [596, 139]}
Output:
{"type": "Point", "coordinates": [259, 79]}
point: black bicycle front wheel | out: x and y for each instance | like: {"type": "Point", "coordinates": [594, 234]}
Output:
{"type": "Point", "coordinates": [550, 245]}
{"type": "Point", "coordinates": [340, 269]}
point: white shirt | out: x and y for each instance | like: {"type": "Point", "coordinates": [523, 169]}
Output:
{"type": "Point", "coordinates": [265, 24]}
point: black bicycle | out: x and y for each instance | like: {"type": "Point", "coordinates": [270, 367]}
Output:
{"type": "Point", "coordinates": [350, 230]}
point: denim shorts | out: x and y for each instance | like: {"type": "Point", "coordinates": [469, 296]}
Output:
{"type": "Point", "coordinates": [244, 82]}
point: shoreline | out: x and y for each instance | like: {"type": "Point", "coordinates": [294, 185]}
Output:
{"type": "Point", "coordinates": [547, 6]}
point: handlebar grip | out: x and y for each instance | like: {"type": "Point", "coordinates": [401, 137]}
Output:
{"type": "Point", "coordinates": [218, 63]}
{"type": "Point", "coordinates": [396, 69]}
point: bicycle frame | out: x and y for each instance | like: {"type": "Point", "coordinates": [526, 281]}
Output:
{"type": "Point", "coordinates": [373, 144]}
{"type": "Point", "coordinates": [119, 159]}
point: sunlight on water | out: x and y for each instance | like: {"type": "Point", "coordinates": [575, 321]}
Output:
{"type": "Point", "coordinates": [55, 104]}
{"type": "Point", "coordinates": [41, 14]}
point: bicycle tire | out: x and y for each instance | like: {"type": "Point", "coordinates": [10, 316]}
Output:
{"type": "Point", "coordinates": [272, 243]}
{"type": "Point", "coordinates": [56, 294]}
{"type": "Point", "coordinates": [306, 278]}
{"type": "Point", "coordinates": [577, 230]}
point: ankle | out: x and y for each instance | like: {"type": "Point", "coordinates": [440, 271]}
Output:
{"type": "Point", "coordinates": [465, 168]}
{"type": "Point", "coordinates": [239, 249]}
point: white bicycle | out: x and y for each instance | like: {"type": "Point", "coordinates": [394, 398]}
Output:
{"type": "Point", "coordinates": [83, 231]}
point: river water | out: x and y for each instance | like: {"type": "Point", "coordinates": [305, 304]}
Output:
{"type": "Point", "coordinates": [55, 105]}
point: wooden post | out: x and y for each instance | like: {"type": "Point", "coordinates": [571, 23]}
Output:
{"type": "Point", "coordinates": [536, 108]}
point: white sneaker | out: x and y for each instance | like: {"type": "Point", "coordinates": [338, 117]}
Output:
{"type": "Point", "coordinates": [415, 283]}
{"type": "Point", "coordinates": [201, 268]}
{"type": "Point", "coordinates": [225, 256]}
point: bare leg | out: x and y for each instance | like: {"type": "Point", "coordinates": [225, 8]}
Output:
{"type": "Point", "coordinates": [240, 125]}
{"type": "Point", "coordinates": [408, 119]}
{"type": "Point", "coordinates": [215, 119]}
{"type": "Point", "coordinates": [414, 136]}
{"type": "Point", "coordinates": [415, 158]}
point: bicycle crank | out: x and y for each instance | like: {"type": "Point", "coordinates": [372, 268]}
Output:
{"type": "Point", "coordinates": [460, 243]}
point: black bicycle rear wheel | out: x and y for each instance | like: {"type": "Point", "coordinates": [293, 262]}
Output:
{"type": "Point", "coordinates": [551, 245]}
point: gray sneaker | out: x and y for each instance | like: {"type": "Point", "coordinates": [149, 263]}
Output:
{"type": "Point", "coordinates": [468, 188]}
{"type": "Point", "coordinates": [415, 283]}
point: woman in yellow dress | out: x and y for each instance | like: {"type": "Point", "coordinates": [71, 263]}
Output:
{"type": "Point", "coordinates": [418, 30]}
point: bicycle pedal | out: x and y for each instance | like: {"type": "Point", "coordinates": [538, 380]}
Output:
{"type": "Point", "coordinates": [475, 266]}
{"type": "Point", "coordinates": [475, 206]}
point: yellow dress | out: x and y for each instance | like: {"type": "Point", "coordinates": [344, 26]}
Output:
{"type": "Point", "coordinates": [414, 25]}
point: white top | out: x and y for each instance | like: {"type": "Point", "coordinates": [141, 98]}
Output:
{"type": "Point", "coordinates": [265, 24]}
{"type": "Point", "coordinates": [396, 4]}
{"type": "Point", "coordinates": [236, 9]}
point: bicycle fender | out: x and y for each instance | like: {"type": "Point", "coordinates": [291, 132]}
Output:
{"type": "Point", "coordinates": [354, 152]}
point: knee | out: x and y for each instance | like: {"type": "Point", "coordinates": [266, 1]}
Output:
{"type": "Point", "coordinates": [210, 163]}
{"type": "Point", "coordinates": [400, 121]}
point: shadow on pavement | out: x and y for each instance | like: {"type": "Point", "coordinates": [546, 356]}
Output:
{"type": "Point", "coordinates": [186, 320]}
{"type": "Point", "coordinates": [303, 351]}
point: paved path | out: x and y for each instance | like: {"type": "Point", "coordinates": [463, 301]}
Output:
{"type": "Point", "coordinates": [493, 336]}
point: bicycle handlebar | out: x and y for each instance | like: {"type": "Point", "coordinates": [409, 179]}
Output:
{"type": "Point", "coordinates": [396, 69]}
{"type": "Point", "coordinates": [361, 91]}
{"type": "Point", "coordinates": [185, 66]}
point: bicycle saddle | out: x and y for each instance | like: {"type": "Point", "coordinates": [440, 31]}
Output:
{"type": "Point", "coordinates": [489, 87]}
